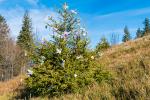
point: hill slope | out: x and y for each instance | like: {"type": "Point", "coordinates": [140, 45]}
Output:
{"type": "Point", "coordinates": [129, 64]}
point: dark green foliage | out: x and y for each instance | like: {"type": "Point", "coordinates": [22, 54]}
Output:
{"type": "Point", "coordinates": [53, 79]}
{"type": "Point", "coordinates": [139, 33]}
{"type": "Point", "coordinates": [126, 36]}
{"type": "Point", "coordinates": [25, 38]}
{"type": "Point", "coordinates": [102, 45]}
{"type": "Point", "coordinates": [101, 75]}
{"type": "Point", "coordinates": [146, 26]}
{"type": "Point", "coordinates": [145, 31]}
{"type": "Point", "coordinates": [25, 42]}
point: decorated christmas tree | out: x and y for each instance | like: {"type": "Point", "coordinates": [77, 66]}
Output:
{"type": "Point", "coordinates": [64, 64]}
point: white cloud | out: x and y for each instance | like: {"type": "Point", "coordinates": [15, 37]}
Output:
{"type": "Point", "coordinates": [38, 16]}
{"type": "Point", "coordinates": [40, 19]}
{"type": "Point", "coordinates": [2, 1]}
{"type": "Point", "coordinates": [14, 19]}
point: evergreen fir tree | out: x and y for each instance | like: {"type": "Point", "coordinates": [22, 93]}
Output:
{"type": "Point", "coordinates": [126, 36]}
{"type": "Point", "coordinates": [146, 26]}
{"type": "Point", "coordinates": [102, 45]}
{"type": "Point", "coordinates": [139, 33]}
{"type": "Point", "coordinates": [64, 64]}
{"type": "Point", "coordinates": [4, 30]}
{"type": "Point", "coordinates": [25, 38]}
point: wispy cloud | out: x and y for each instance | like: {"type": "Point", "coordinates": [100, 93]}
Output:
{"type": "Point", "coordinates": [115, 22]}
{"type": "Point", "coordinates": [99, 25]}
{"type": "Point", "coordinates": [135, 12]}
{"type": "Point", "coordinates": [2, 1]}
{"type": "Point", "coordinates": [33, 2]}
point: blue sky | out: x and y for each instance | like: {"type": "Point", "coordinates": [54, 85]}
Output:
{"type": "Point", "coordinates": [100, 17]}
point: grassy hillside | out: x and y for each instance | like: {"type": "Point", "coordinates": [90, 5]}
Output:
{"type": "Point", "coordinates": [129, 64]}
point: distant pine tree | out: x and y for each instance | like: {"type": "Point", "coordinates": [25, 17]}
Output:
{"type": "Point", "coordinates": [139, 33]}
{"type": "Point", "coordinates": [146, 26]}
{"type": "Point", "coordinates": [25, 38]}
{"type": "Point", "coordinates": [4, 35]}
{"type": "Point", "coordinates": [126, 36]}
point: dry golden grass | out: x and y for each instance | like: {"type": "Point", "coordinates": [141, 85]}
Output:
{"type": "Point", "coordinates": [130, 65]}
{"type": "Point", "coordinates": [127, 51]}
{"type": "Point", "coordinates": [11, 86]}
